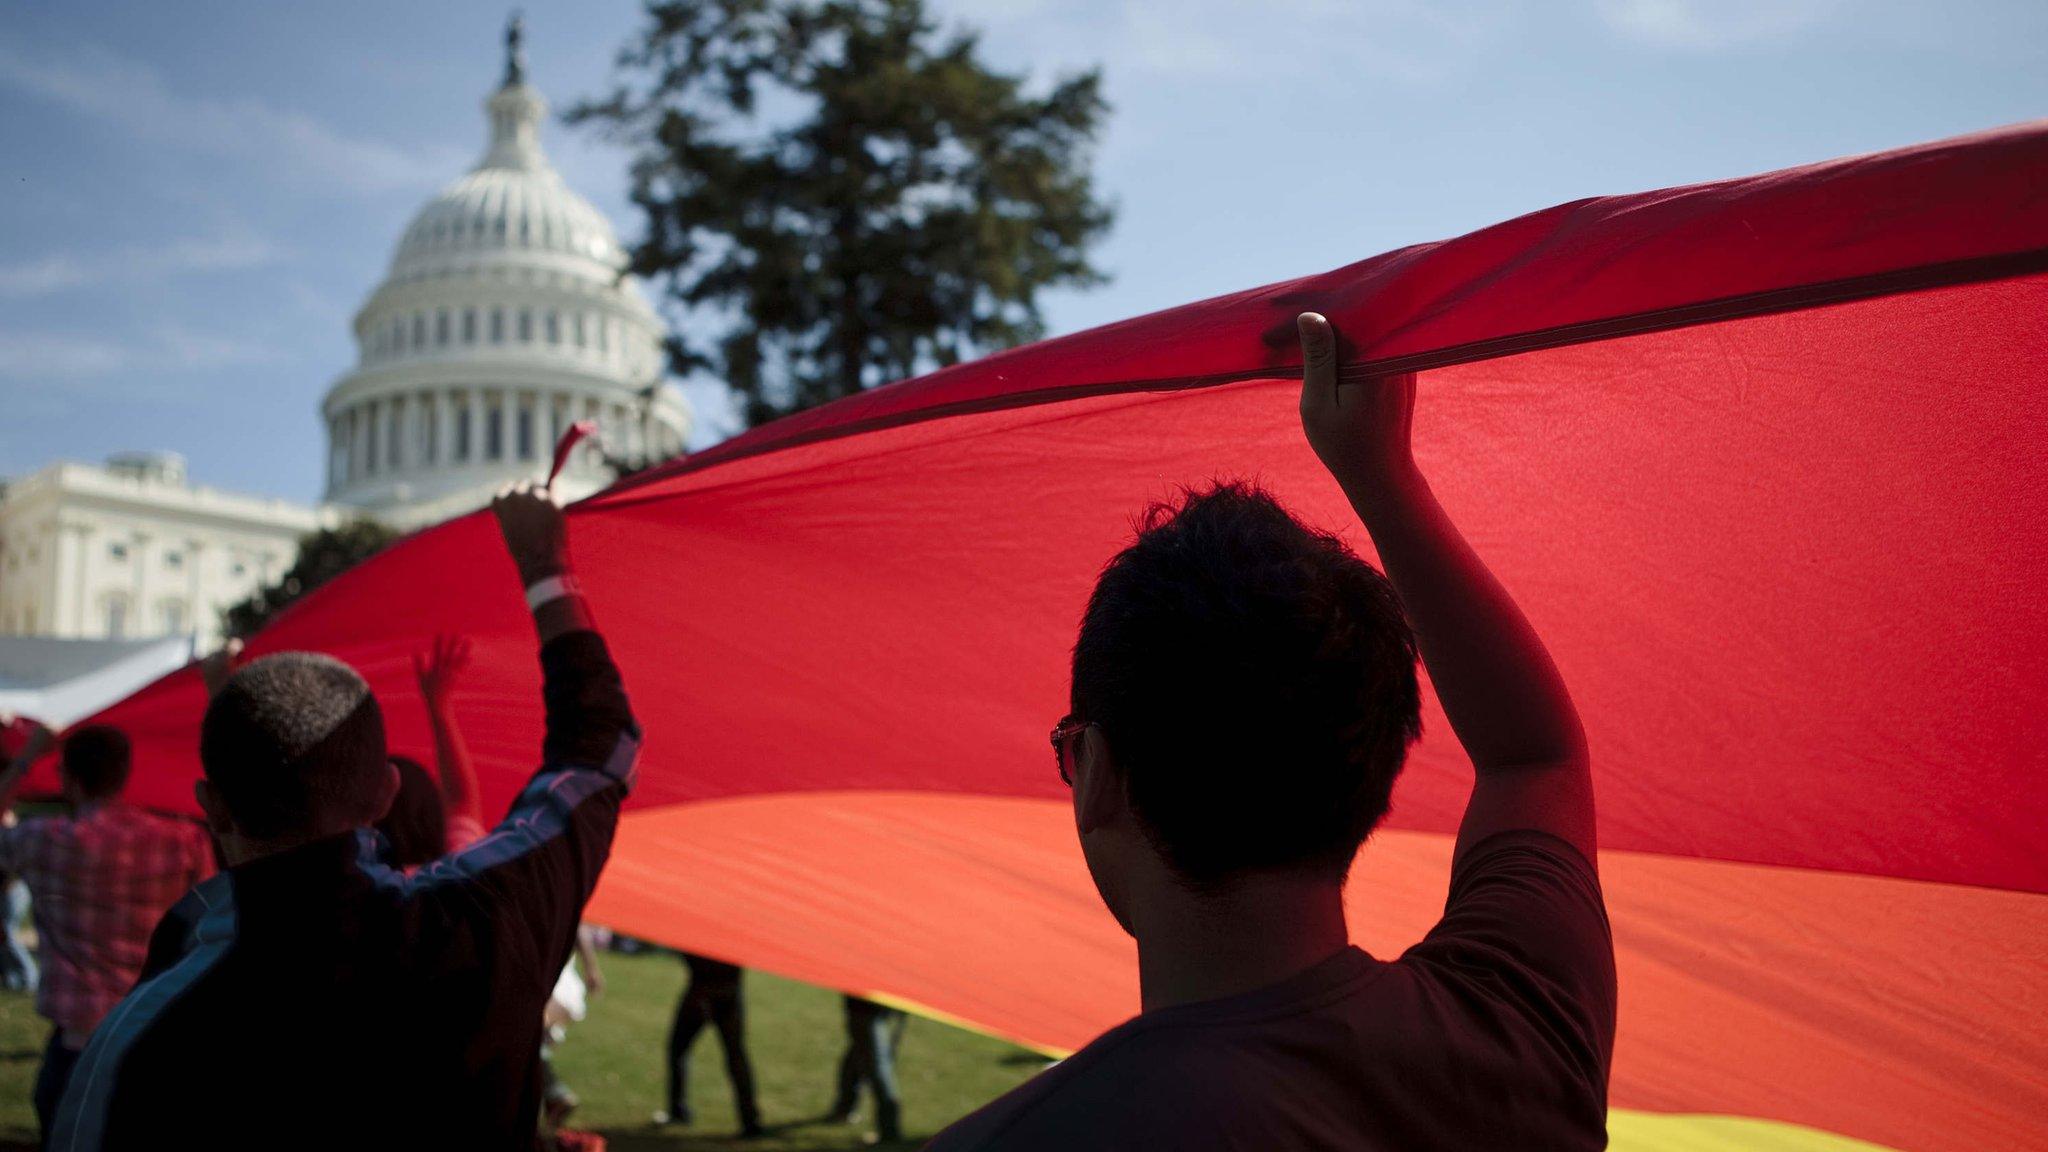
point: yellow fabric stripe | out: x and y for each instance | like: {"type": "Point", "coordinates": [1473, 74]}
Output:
{"type": "Point", "coordinates": [1631, 1131]}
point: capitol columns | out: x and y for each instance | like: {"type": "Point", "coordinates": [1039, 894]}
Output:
{"type": "Point", "coordinates": [392, 439]}
{"type": "Point", "coordinates": [136, 619]}
{"type": "Point", "coordinates": [358, 442]}
{"type": "Point", "coordinates": [404, 432]}
{"type": "Point", "coordinates": [444, 428]}
{"type": "Point", "coordinates": [476, 427]}
{"type": "Point", "coordinates": [195, 561]}
{"type": "Point", "coordinates": [508, 424]}
{"type": "Point", "coordinates": [336, 446]}
{"type": "Point", "coordinates": [74, 541]}
{"type": "Point", "coordinates": [594, 410]}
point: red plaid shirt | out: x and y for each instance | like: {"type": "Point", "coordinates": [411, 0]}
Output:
{"type": "Point", "coordinates": [101, 880]}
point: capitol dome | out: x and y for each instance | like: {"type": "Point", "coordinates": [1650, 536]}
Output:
{"type": "Point", "coordinates": [505, 317]}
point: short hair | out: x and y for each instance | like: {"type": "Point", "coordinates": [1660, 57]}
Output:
{"type": "Point", "coordinates": [294, 744]}
{"type": "Point", "coordinates": [96, 761]}
{"type": "Point", "coordinates": [416, 826]}
{"type": "Point", "coordinates": [1255, 682]}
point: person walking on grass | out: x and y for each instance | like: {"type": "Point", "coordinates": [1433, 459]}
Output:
{"type": "Point", "coordinates": [873, 1032]}
{"type": "Point", "coordinates": [712, 997]}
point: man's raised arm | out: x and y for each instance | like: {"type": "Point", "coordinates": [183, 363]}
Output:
{"type": "Point", "coordinates": [1503, 696]}
{"type": "Point", "coordinates": [38, 741]}
{"type": "Point", "coordinates": [534, 871]}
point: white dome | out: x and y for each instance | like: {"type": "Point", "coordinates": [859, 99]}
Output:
{"type": "Point", "coordinates": [493, 209]}
{"type": "Point", "coordinates": [512, 204]}
{"type": "Point", "coordinates": [506, 315]}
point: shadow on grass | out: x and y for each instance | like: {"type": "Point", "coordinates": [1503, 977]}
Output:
{"type": "Point", "coordinates": [652, 1140]}
{"type": "Point", "coordinates": [811, 1134]}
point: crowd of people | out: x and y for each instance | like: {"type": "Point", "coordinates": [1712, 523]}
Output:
{"type": "Point", "coordinates": [344, 954]}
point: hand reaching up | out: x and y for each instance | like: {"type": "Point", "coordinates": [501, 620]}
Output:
{"type": "Point", "coordinates": [439, 667]}
{"type": "Point", "coordinates": [220, 664]}
{"type": "Point", "coordinates": [535, 531]}
{"type": "Point", "coordinates": [1358, 428]}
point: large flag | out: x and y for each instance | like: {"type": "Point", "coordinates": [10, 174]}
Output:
{"type": "Point", "coordinates": [1763, 460]}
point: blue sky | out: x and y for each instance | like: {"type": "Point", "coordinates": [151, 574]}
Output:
{"type": "Point", "coordinates": [195, 197]}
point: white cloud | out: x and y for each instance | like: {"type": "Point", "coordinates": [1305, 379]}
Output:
{"type": "Point", "coordinates": [133, 96]}
{"type": "Point", "coordinates": [1415, 42]}
{"type": "Point", "coordinates": [33, 357]}
{"type": "Point", "coordinates": [67, 271]}
{"type": "Point", "coordinates": [1697, 25]}
{"type": "Point", "coordinates": [42, 277]}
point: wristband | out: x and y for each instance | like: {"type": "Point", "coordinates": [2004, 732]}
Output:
{"type": "Point", "coordinates": [551, 588]}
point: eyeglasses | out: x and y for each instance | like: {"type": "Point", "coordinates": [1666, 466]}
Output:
{"type": "Point", "coordinates": [1068, 727]}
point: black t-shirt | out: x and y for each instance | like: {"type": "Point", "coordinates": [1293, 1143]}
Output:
{"type": "Point", "coordinates": [1494, 1032]}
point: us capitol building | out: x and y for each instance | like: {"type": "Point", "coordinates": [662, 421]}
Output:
{"type": "Point", "coordinates": [505, 317]}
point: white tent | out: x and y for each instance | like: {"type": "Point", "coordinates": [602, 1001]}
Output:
{"type": "Point", "coordinates": [60, 682]}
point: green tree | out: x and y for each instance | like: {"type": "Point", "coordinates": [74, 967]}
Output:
{"type": "Point", "coordinates": [323, 555]}
{"type": "Point", "coordinates": [841, 193]}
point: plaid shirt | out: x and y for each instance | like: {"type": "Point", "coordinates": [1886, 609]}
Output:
{"type": "Point", "coordinates": [101, 880]}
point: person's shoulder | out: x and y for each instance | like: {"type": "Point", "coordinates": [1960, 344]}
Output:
{"type": "Point", "coordinates": [1524, 853]}
{"type": "Point", "coordinates": [150, 818]}
{"type": "Point", "coordinates": [1131, 1087]}
{"type": "Point", "coordinates": [39, 824]}
{"type": "Point", "coordinates": [1526, 940]}
{"type": "Point", "coordinates": [1524, 896]}
{"type": "Point", "coordinates": [25, 836]}
{"type": "Point", "coordinates": [162, 827]}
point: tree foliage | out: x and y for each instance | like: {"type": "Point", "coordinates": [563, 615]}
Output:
{"type": "Point", "coordinates": [323, 555]}
{"type": "Point", "coordinates": [840, 192]}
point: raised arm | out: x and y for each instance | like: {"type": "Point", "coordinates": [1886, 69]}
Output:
{"type": "Point", "coordinates": [38, 742]}
{"type": "Point", "coordinates": [527, 880]}
{"type": "Point", "coordinates": [437, 670]}
{"type": "Point", "coordinates": [537, 536]}
{"type": "Point", "coordinates": [1503, 696]}
{"type": "Point", "coordinates": [218, 665]}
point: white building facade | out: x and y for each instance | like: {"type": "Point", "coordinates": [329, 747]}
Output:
{"type": "Point", "coordinates": [133, 550]}
{"type": "Point", "coordinates": [506, 316]}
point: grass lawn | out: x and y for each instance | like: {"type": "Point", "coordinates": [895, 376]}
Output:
{"type": "Point", "coordinates": [614, 1062]}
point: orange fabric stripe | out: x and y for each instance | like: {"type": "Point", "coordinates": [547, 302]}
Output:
{"type": "Point", "coordinates": [1897, 1012]}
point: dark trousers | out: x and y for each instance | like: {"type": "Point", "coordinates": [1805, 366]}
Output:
{"type": "Point", "coordinates": [58, 1061]}
{"type": "Point", "coordinates": [719, 1007]}
{"type": "Point", "coordinates": [871, 1034]}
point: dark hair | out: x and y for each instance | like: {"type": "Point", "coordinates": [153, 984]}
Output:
{"type": "Point", "coordinates": [1255, 681]}
{"type": "Point", "coordinates": [294, 743]}
{"type": "Point", "coordinates": [96, 761]}
{"type": "Point", "coordinates": [416, 826]}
